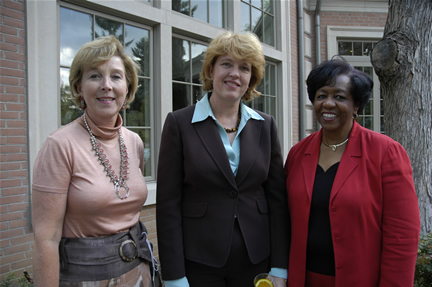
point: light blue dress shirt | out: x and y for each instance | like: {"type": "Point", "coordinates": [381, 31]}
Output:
{"type": "Point", "coordinates": [201, 113]}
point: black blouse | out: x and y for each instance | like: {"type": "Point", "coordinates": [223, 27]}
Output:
{"type": "Point", "coordinates": [320, 254]}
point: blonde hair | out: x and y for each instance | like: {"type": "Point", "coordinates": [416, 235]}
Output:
{"type": "Point", "coordinates": [242, 46]}
{"type": "Point", "coordinates": [94, 53]}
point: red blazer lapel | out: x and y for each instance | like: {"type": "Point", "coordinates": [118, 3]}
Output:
{"type": "Point", "coordinates": [348, 162]}
{"type": "Point", "coordinates": [310, 162]}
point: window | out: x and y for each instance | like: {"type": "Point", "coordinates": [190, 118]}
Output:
{"type": "Point", "coordinates": [266, 102]}
{"type": "Point", "coordinates": [77, 28]}
{"type": "Point", "coordinates": [210, 11]}
{"type": "Point", "coordinates": [187, 59]}
{"type": "Point", "coordinates": [257, 16]}
{"type": "Point", "coordinates": [372, 116]}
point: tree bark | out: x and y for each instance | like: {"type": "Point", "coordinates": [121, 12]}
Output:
{"type": "Point", "coordinates": [403, 63]}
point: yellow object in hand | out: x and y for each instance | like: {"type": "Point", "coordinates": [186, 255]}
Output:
{"type": "Point", "coordinates": [263, 283]}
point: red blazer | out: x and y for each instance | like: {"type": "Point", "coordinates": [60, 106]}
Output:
{"type": "Point", "coordinates": [198, 194]}
{"type": "Point", "coordinates": [374, 214]}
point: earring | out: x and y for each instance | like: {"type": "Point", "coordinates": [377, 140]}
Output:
{"type": "Point", "coordinates": [355, 116]}
{"type": "Point", "coordinates": [124, 106]}
{"type": "Point", "coordinates": [82, 103]}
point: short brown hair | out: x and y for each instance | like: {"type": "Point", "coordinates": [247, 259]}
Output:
{"type": "Point", "coordinates": [242, 46]}
{"type": "Point", "coordinates": [94, 53]}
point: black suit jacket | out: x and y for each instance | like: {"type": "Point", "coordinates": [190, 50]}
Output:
{"type": "Point", "coordinates": [198, 195]}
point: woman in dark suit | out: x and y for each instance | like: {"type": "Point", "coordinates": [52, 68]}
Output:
{"type": "Point", "coordinates": [354, 211]}
{"type": "Point", "coordinates": [221, 199]}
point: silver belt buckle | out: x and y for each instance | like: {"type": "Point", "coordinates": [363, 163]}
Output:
{"type": "Point", "coordinates": [127, 257]}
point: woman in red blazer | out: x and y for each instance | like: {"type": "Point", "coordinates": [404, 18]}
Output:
{"type": "Point", "coordinates": [221, 206]}
{"type": "Point", "coordinates": [354, 211]}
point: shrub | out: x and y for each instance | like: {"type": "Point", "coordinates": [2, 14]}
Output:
{"type": "Point", "coordinates": [423, 271]}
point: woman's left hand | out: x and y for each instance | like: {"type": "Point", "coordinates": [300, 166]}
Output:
{"type": "Point", "coordinates": [279, 282]}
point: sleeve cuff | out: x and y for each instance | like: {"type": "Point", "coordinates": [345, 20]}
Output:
{"type": "Point", "coordinates": [182, 282]}
{"type": "Point", "coordinates": [278, 272]}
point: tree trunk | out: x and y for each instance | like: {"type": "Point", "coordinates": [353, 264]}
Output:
{"type": "Point", "coordinates": [403, 63]}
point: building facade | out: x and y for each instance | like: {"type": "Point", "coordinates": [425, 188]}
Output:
{"type": "Point", "coordinates": [167, 38]}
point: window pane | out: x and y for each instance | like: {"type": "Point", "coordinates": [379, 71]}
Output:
{"type": "Point", "coordinates": [198, 93]}
{"type": "Point", "coordinates": [181, 96]}
{"type": "Point", "coordinates": [180, 60]}
{"type": "Point", "coordinates": [268, 6]}
{"type": "Point", "coordinates": [256, 22]}
{"type": "Point", "coordinates": [345, 48]}
{"type": "Point", "coordinates": [245, 17]}
{"type": "Point", "coordinates": [270, 80]}
{"type": "Point", "coordinates": [75, 30]}
{"type": "Point", "coordinates": [358, 49]}
{"type": "Point", "coordinates": [137, 46]}
{"type": "Point", "coordinates": [216, 12]}
{"type": "Point", "coordinates": [198, 52]}
{"type": "Point", "coordinates": [69, 111]}
{"type": "Point", "coordinates": [257, 3]}
{"type": "Point", "coordinates": [368, 123]}
{"type": "Point", "coordinates": [105, 27]}
{"type": "Point", "coordinates": [181, 6]}
{"type": "Point", "coordinates": [367, 48]}
{"type": "Point", "coordinates": [138, 115]}
{"type": "Point", "coordinates": [145, 136]}
{"type": "Point", "coordinates": [199, 9]}
{"type": "Point", "coordinates": [368, 109]}
{"type": "Point", "coordinates": [268, 29]}
{"type": "Point", "coordinates": [270, 105]}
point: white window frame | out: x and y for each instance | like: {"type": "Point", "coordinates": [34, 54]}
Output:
{"type": "Point", "coordinates": [335, 33]}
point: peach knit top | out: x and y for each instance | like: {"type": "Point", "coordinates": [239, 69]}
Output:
{"type": "Point", "coordinates": [66, 163]}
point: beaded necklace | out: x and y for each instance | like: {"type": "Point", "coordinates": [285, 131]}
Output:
{"type": "Point", "coordinates": [124, 162]}
{"type": "Point", "coordinates": [237, 126]}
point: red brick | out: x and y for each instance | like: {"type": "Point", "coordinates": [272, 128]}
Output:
{"type": "Point", "coordinates": [8, 98]}
{"type": "Point", "coordinates": [16, 124]}
{"type": "Point", "coordinates": [23, 239]}
{"type": "Point", "coordinates": [10, 183]}
{"type": "Point", "coordinates": [11, 72]}
{"type": "Point", "coordinates": [10, 216]}
{"type": "Point", "coordinates": [13, 5]}
{"type": "Point", "coordinates": [15, 56]}
{"type": "Point", "coordinates": [16, 140]}
{"type": "Point", "coordinates": [3, 174]}
{"type": "Point", "coordinates": [5, 243]}
{"type": "Point", "coordinates": [11, 199]}
{"type": "Point", "coordinates": [8, 47]}
{"type": "Point", "coordinates": [10, 148]}
{"type": "Point", "coordinates": [13, 258]}
{"type": "Point", "coordinates": [18, 223]}
{"type": "Point", "coordinates": [15, 190]}
{"type": "Point", "coordinates": [4, 208]}
{"type": "Point", "coordinates": [13, 132]}
{"type": "Point", "coordinates": [18, 15]}
{"type": "Point", "coordinates": [4, 270]}
{"type": "Point", "coordinates": [14, 39]}
{"type": "Point", "coordinates": [17, 248]}
{"type": "Point", "coordinates": [8, 30]}
{"type": "Point", "coordinates": [17, 173]}
{"type": "Point", "coordinates": [15, 90]}
{"type": "Point", "coordinates": [9, 64]}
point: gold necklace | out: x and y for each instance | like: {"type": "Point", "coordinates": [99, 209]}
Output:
{"type": "Point", "coordinates": [334, 146]}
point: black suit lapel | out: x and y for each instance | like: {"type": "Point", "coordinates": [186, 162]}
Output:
{"type": "Point", "coordinates": [249, 142]}
{"type": "Point", "coordinates": [209, 134]}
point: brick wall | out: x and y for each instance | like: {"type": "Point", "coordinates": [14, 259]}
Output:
{"type": "Point", "coordinates": [16, 236]}
{"type": "Point", "coordinates": [294, 72]}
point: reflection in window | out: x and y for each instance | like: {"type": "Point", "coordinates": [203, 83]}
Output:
{"type": "Point", "coordinates": [187, 59]}
{"type": "Point", "coordinates": [257, 16]}
{"type": "Point", "coordinates": [77, 28]}
{"type": "Point", "coordinates": [355, 48]}
{"type": "Point", "coordinates": [210, 11]}
{"type": "Point", "coordinates": [266, 102]}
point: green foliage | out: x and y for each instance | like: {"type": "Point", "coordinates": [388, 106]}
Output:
{"type": "Point", "coordinates": [423, 271]}
{"type": "Point", "coordinates": [10, 281]}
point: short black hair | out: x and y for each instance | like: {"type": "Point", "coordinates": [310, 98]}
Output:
{"type": "Point", "coordinates": [325, 74]}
